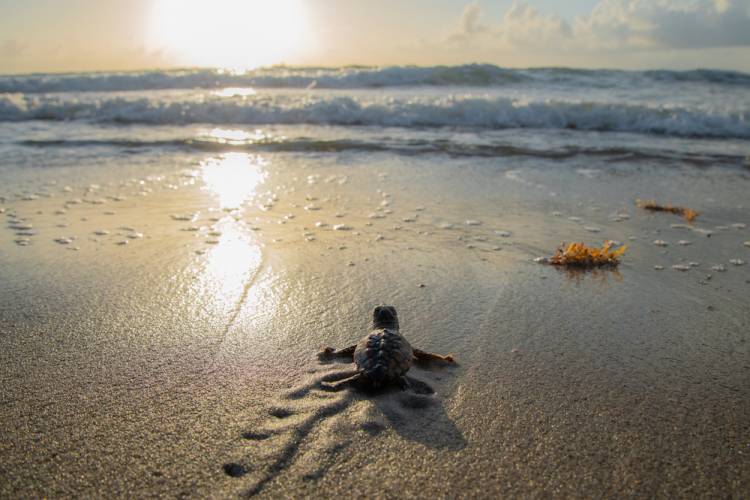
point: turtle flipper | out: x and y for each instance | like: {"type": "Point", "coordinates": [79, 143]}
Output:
{"type": "Point", "coordinates": [421, 355]}
{"type": "Point", "coordinates": [330, 352]}
{"type": "Point", "coordinates": [341, 384]}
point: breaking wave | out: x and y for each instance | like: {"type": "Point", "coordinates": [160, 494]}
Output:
{"type": "Point", "coordinates": [462, 112]}
{"type": "Point", "coordinates": [475, 75]}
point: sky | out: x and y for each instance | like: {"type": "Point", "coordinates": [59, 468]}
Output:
{"type": "Point", "coordinates": [121, 35]}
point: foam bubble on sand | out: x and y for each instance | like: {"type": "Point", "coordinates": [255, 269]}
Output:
{"type": "Point", "coordinates": [64, 241]}
{"type": "Point", "coordinates": [693, 264]}
{"type": "Point", "coordinates": [321, 224]}
{"type": "Point", "coordinates": [737, 262]}
{"type": "Point", "coordinates": [684, 243]}
{"type": "Point", "coordinates": [739, 225]}
{"type": "Point", "coordinates": [574, 219]}
{"type": "Point", "coordinates": [592, 229]}
{"type": "Point", "coordinates": [681, 267]}
{"type": "Point", "coordinates": [719, 268]}
{"type": "Point", "coordinates": [503, 234]}
{"type": "Point", "coordinates": [658, 267]}
{"type": "Point", "coordinates": [446, 226]}
{"type": "Point", "coordinates": [472, 222]}
{"type": "Point", "coordinates": [312, 207]}
{"type": "Point", "coordinates": [661, 243]}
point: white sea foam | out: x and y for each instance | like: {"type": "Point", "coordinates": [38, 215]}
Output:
{"type": "Point", "coordinates": [476, 111]}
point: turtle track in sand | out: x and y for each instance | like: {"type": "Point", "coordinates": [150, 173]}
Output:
{"type": "Point", "coordinates": [305, 431]}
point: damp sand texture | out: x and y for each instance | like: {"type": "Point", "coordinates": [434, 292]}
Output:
{"type": "Point", "coordinates": [184, 361]}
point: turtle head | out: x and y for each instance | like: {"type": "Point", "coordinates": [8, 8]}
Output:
{"type": "Point", "coordinates": [385, 317]}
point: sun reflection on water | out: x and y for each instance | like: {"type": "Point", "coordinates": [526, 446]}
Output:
{"type": "Point", "coordinates": [235, 92]}
{"type": "Point", "coordinates": [230, 264]}
{"type": "Point", "coordinates": [234, 177]}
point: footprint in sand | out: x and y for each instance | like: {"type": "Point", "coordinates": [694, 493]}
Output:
{"type": "Point", "coordinates": [308, 428]}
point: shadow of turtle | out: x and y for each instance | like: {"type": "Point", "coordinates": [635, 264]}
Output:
{"type": "Point", "coordinates": [415, 411]}
{"type": "Point", "coordinates": [329, 413]}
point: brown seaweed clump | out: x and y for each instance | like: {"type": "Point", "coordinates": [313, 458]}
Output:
{"type": "Point", "coordinates": [688, 213]}
{"type": "Point", "coordinates": [579, 255]}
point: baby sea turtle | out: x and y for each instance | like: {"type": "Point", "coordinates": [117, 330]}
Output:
{"type": "Point", "coordinates": [384, 355]}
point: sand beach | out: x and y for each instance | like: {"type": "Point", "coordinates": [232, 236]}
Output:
{"type": "Point", "coordinates": [160, 321]}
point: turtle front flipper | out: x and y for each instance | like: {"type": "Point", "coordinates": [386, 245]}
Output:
{"type": "Point", "coordinates": [421, 355]}
{"type": "Point", "coordinates": [330, 352]}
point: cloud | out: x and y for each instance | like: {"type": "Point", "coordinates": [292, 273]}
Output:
{"type": "Point", "coordinates": [469, 22]}
{"type": "Point", "coordinates": [469, 26]}
{"type": "Point", "coordinates": [616, 25]}
{"type": "Point", "coordinates": [666, 24]}
{"type": "Point", "coordinates": [523, 25]}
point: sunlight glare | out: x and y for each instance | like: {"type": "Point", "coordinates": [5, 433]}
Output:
{"type": "Point", "coordinates": [229, 265]}
{"type": "Point", "coordinates": [234, 177]}
{"type": "Point", "coordinates": [235, 92]}
{"type": "Point", "coordinates": [234, 34]}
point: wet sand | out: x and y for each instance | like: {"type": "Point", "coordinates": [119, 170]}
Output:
{"type": "Point", "coordinates": [159, 332]}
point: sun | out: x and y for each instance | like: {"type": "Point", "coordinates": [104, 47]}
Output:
{"type": "Point", "coordinates": [232, 34]}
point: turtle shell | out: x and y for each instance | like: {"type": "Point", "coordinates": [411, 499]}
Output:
{"type": "Point", "coordinates": [383, 355]}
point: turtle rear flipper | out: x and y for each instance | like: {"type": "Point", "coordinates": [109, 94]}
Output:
{"type": "Point", "coordinates": [341, 384]}
{"type": "Point", "coordinates": [330, 352]}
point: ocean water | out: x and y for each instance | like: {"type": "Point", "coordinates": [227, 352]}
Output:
{"type": "Point", "coordinates": [587, 117]}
